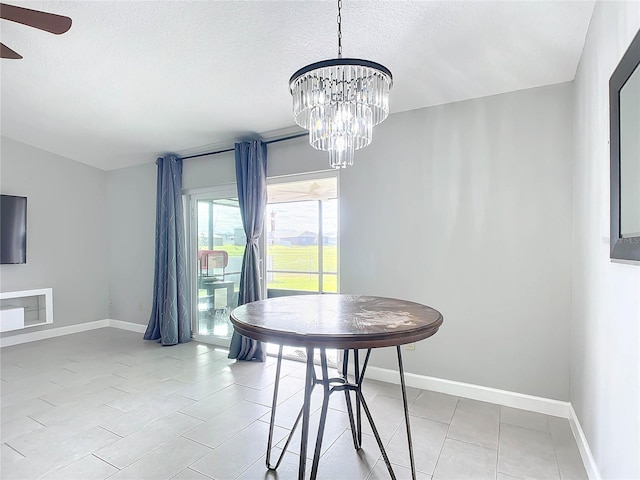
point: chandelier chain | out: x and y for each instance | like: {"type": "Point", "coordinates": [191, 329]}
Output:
{"type": "Point", "coordinates": [339, 29]}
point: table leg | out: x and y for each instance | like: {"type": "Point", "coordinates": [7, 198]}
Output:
{"type": "Point", "coordinates": [377, 435]}
{"type": "Point", "coordinates": [370, 417]}
{"type": "Point", "coordinates": [358, 380]}
{"type": "Point", "coordinates": [305, 411]}
{"type": "Point", "coordinates": [230, 305]}
{"type": "Point", "coordinates": [211, 317]}
{"type": "Point", "coordinates": [323, 412]}
{"type": "Point", "coordinates": [306, 408]}
{"type": "Point", "coordinates": [274, 404]}
{"type": "Point", "coordinates": [273, 413]}
{"type": "Point", "coordinates": [347, 395]}
{"type": "Point", "coordinates": [406, 413]}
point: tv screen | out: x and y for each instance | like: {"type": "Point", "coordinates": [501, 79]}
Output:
{"type": "Point", "coordinates": [13, 229]}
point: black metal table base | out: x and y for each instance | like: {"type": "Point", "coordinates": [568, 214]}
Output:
{"type": "Point", "coordinates": [329, 386]}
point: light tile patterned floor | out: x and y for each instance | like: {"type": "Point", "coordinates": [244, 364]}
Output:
{"type": "Point", "coordinates": [107, 404]}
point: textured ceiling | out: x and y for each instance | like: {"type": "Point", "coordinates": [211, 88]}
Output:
{"type": "Point", "coordinates": [133, 79]}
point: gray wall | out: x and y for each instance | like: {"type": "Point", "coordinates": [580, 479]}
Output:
{"type": "Point", "coordinates": [67, 244]}
{"type": "Point", "coordinates": [283, 158]}
{"type": "Point", "coordinates": [209, 171]}
{"type": "Point", "coordinates": [131, 194]}
{"type": "Point", "coordinates": [467, 207]}
{"type": "Point", "coordinates": [605, 354]}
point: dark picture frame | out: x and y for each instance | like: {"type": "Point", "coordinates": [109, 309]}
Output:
{"type": "Point", "coordinates": [622, 247]}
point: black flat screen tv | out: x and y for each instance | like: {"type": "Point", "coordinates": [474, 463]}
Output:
{"type": "Point", "coordinates": [13, 229]}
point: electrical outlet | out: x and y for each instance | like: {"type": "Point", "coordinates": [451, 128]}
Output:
{"type": "Point", "coordinates": [410, 346]}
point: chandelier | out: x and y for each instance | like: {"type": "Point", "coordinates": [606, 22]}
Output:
{"type": "Point", "coordinates": [339, 101]}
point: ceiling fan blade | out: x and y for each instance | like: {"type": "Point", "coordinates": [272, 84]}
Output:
{"type": "Point", "coordinates": [6, 52]}
{"type": "Point", "coordinates": [49, 22]}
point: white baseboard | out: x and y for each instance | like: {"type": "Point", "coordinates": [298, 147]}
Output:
{"type": "Point", "coordinates": [475, 392]}
{"type": "Point", "coordinates": [51, 332]}
{"type": "Point", "coordinates": [589, 462]}
{"type": "Point", "coordinates": [532, 403]}
{"type": "Point", "coordinates": [68, 330]}
{"type": "Point", "coordinates": [132, 327]}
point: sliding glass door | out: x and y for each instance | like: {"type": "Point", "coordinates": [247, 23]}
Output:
{"type": "Point", "coordinates": [299, 248]}
{"type": "Point", "coordinates": [301, 237]}
{"type": "Point", "coordinates": [218, 243]}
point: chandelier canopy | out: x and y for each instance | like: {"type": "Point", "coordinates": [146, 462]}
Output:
{"type": "Point", "coordinates": [339, 101]}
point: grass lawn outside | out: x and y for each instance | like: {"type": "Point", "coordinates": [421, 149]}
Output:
{"type": "Point", "coordinates": [295, 258]}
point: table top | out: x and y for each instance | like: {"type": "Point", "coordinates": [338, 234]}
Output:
{"type": "Point", "coordinates": [336, 321]}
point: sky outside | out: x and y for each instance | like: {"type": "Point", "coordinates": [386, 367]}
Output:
{"type": "Point", "coordinates": [290, 219]}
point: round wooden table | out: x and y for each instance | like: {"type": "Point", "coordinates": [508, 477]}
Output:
{"type": "Point", "coordinates": [347, 322]}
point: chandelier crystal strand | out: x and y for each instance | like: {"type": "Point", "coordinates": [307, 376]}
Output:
{"type": "Point", "coordinates": [339, 101]}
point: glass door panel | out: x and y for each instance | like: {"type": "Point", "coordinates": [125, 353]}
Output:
{"type": "Point", "coordinates": [301, 237]}
{"type": "Point", "coordinates": [292, 247]}
{"type": "Point", "coordinates": [220, 248]}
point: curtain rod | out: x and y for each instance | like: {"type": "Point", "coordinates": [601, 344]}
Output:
{"type": "Point", "coordinates": [216, 152]}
